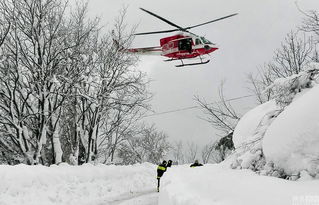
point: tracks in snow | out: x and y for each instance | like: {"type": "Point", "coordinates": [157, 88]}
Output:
{"type": "Point", "coordinates": [148, 197]}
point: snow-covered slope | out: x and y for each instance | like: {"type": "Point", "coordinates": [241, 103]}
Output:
{"type": "Point", "coordinates": [73, 185]}
{"type": "Point", "coordinates": [212, 184]}
{"type": "Point", "coordinates": [292, 140]}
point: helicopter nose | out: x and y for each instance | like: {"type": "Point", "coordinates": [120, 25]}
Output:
{"type": "Point", "coordinates": [210, 48]}
{"type": "Point", "coordinates": [207, 47]}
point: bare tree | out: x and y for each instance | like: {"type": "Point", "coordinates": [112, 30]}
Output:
{"type": "Point", "coordinates": [62, 81]}
{"type": "Point", "coordinates": [5, 25]}
{"type": "Point", "coordinates": [191, 152]}
{"type": "Point", "coordinates": [119, 127]}
{"type": "Point", "coordinates": [31, 76]}
{"type": "Point", "coordinates": [155, 143]}
{"type": "Point", "coordinates": [149, 145]}
{"type": "Point", "coordinates": [207, 152]}
{"type": "Point", "coordinates": [294, 55]}
{"type": "Point", "coordinates": [258, 84]}
{"type": "Point", "coordinates": [4, 30]}
{"type": "Point", "coordinates": [178, 152]}
{"type": "Point", "coordinates": [113, 88]}
{"type": "Point", "coordinates": [221, 115]}
{"type": "Point", "coordinates": [311, 25]}
{"type": "Point", "coordinates": [311, 22]}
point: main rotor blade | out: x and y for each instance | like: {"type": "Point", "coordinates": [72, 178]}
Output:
{"type": "Point", "coordinates": [210, 21]}
{"type": "Point", "coordinates": [163, 19]}
{"type": "Point", "coordinates": [155, 32]}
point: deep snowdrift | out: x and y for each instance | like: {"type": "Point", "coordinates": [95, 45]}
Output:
{"type": "Point", "coordinates": [180, 185]}
{"type": "Point", "coordinates": [248, 136]}
{"type": "Point", "coordinates": [247, 128]}
{"type": "Point", "coordinates": [212, 184]}
{"type": "Point", "coordinates": [281, 137]}
{"type": "Point", "coordinates": [292, 140]}
{"type": "Point", "coordinates": [70, 185]}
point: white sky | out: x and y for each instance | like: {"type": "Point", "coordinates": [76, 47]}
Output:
{"type": "Point", "coordinates": [245, 42]}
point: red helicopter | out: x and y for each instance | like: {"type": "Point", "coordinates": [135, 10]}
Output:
{"type": "Point", "coordinates": [183, 45]}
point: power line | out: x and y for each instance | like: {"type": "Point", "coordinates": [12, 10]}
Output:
{"type": "Point", "coordinates": [197, 106]}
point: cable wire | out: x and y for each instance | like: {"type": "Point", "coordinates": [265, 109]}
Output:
{"type": "Point", "coordinates": [196, 106]}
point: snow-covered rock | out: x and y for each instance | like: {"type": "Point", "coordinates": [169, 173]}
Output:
{"type": "Point", "coordinates": [292, 140]}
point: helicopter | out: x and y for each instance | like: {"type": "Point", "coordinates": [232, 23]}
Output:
{"type": "Point", "coordinates": [183, 45]}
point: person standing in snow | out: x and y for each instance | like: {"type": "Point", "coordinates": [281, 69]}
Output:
{"type": "Point", "coordinates": [196, 164]}
{"type": "Point", "coordinates": [160, 171]}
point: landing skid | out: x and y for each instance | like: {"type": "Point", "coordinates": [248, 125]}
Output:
{"type": "Point", "coordinates": [190, 64]}
{"type": "Point", "coordinates": [172, 59]}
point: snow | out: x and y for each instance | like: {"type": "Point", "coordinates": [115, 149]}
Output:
{"type": "Point", "coordinates": [292, 140]}
{"type": "Point", "coordinates": [136, 185]}
{"type": "Point", "coordinates": [247, 127]}
{"type": "Point", "coordinates": [213, 184]}
{"type": "Point", "coordinates": [68, 185]}
{"type": "Point", "coordinates": [281, 137]}
{"type": "Point", "coordinates": [286, 88]}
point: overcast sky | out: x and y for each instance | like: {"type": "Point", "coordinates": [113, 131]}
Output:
{"type": "Point", "coordinates": [245, 42]}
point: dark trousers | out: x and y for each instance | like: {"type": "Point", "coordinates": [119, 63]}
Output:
{"type": "Point", "coordinates": [158, 183]}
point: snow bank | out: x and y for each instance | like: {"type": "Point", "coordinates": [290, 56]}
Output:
{"type": "Point", "coordinates": [69, 185]}
{"type": "Point", "coordinates": [248, 136]}
{"type": "Point", "coordinates": [281, 137]}
{"type": "Point", "coordinates": [248, 126]}
{"type": "Point", "coordinates": [292, 140]}
{"type": "Point", "coordinates": [212, 184]}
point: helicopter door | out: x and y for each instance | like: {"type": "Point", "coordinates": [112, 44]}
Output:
{"type": "Point", "coordinates": [185, 45]}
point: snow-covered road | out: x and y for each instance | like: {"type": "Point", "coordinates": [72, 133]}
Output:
{"type": "Point", "coordinates": [143, 198]}
{"type": "Point", "coordinates": [136, 185]}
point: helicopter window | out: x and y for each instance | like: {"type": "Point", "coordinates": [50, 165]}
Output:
{"type": "Point", "coordinates": [198, 41]}
{"type": "Point", "coordinates": [185, 45]}
{"type": "Point", "coordinates": [205, 40]}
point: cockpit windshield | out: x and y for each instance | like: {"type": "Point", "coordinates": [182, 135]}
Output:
{"type": "Point", "coordinates": [205, 41]}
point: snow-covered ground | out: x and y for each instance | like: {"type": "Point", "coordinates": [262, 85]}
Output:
{"type": "Point", "coordinates": [136, 185]}
{"type": "Point", "coordinates": [76, 185]}
{"type": "Point", "coordinates": [288, 138]}
{"type": "Point", "coordinates": [215, 184]}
